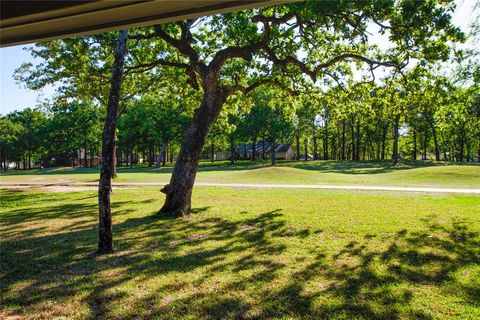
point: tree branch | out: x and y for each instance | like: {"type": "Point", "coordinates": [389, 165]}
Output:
{"type": "Point", "coordinates": [229, 90]}
{"type": "Point", "coordinates": [141, 67]}
{"type": "Point", "coordinates": [183, 45]}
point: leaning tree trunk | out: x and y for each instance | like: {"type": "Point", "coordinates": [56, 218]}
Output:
{"type": "Point", "coordinates": [179, 190]}
{"type": "Point", "coordinates": [105, 239]}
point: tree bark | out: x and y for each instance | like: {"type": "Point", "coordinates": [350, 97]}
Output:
{"type": "Point", "coordinates": [462, 143]}
{"type": "Point", "coordinates": [357, 141]}
{"type": "Point", "coordinates": [85, 156]}
{"type": "Point", "coordinates": [161, 153]}
{"type": "Point", "coordinates": [273, 159]}
{"type": "Point", "coordinates": [325, 149]}
{"type": "Point", "coordinates": [414, 145]}
{"type": "Point", "coordinates": [254, 148]}
{"type": "Point", "coordinates": [212, 152]}
{"type": "Point", "coordinates": [179, 190]}
{"type": "Point", "coordinates": [114, 161]}
{"type": "Point", "coordinates": [232, 149]}
{"type": "Point", "coordinates": [425, 143]}
{"type": "Point", "coordinates": [343, 140]}
{"type": "Point", "coordinates": [384, 139]}
{"type": "Point", "coordinates": [305, 149]}
{"type": "Point", "coordinates": [298, 146]}
{"type": "Point", "coordinates": [435, 142]}
{"type": "Point", "coordinates": [396, 125]}
{"type": "Point", "coordinates": [105, 238]}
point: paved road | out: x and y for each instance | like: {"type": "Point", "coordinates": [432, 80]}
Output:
{"type": "Point", "coordinates": [92, 185]}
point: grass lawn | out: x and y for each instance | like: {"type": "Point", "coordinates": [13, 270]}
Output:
{"type": "Point", "coordinates": [245, 253]}
{"type": "Point", "coordinates": [293, 172]}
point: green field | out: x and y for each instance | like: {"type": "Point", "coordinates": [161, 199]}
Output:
{"type": "Point", "coordinates": [311, 172]}
{"type": "Point", "coordinates": [244, 253]}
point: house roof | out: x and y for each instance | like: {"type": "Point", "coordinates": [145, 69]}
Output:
{"type": "Point", "coordinates": [282, 147]}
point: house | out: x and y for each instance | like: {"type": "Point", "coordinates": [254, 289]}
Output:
{"type": "Point", "coordinates": [282, 151]}
{"type": "Point", "coordinates": [75, 159]}
{"type": "Point", "coordinates": [222, 155]}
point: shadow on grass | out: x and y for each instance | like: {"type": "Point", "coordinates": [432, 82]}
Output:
{"type": "Point", "coordinates": [226, 269]}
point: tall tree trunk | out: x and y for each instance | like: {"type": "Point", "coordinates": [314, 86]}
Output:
{"type": "Point", "coordinates": [212, 152]}
{"type": "Point", "coordinates": [298, 146]}
{"type": "Point", "coordinates": [445, 158]}
{"type": "Point", "coordinates": [352, 145]}
{"type": "Point", "coordinates": [384, 139]}
{"type": "Point", "coordinates": [114, 159]}
{"type": "Point", "coordinates": [435, 142]}
{"type": "Point", "coordinates": [232, 148]}
{"type": "Point", "coordinates": [414, 145]}
{"type": "Point", "coordinates": [254, 148]}
{"type": "Point", "coordinates": [161, 153]}
{"type": "Point", "coordinates": [396, 125]}
{"type": "Point", "coordinates": [127, 156]}
{"type": "Point", "coordinates": [305, 148]}
{"type": "Point", "coordinates": [343, 140]}
{"type": "Point", "coordinates": [263, 149]}
{"type": "Point", "coordinates": [357, 141]}
{"type": "Point", "coordinates": [85, 156]}
{"type": "Point", "coordinates": [325, 149]}
{"type": "Point", "coordinates": [315, 148]}
{"type": "Point", "coordinates": [462, 143]}
{"type": "Point", "coordinates": [164, 154]}
{"type": "Point", "coordinates": [105, 238]}
{"type": "Point", "coordinates": [425, 145]}
{"type": "Point", "coordinates": [150, 154]}
{"type": "Point", "coordinates": [273, 159]}
{"type": "Point", "coordinates": [469, 147]}
{"type": "Point", "coordinates": [179, 190]}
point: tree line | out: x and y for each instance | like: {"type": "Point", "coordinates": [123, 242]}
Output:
{"type": "Point", "coordinates": [419, 117]}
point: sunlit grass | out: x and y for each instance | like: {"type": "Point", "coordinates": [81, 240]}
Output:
{"type": "Point", "coordinates": [243, 254]}
{"type": "Point", "coordinates": [419, 174]}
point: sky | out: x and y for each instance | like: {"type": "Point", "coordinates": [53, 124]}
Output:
{"type": "Point", "coordinates": [15, 96]}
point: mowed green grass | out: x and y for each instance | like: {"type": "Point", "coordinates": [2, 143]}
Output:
{"type": "Point", "coordinates": [291, 172]}
{"type": "Point", "coordinates": [244, 253]}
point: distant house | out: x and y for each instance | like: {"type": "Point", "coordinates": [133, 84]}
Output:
{"type": "Point", "coordinates": [75, 159]}
{"type": "Point", "coordinates": [222, 155]}
{"type": "Point", "coordinates": [282, 151]}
